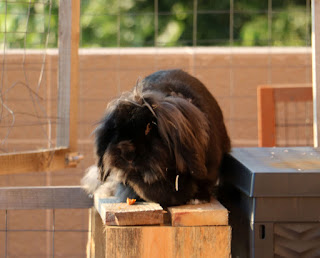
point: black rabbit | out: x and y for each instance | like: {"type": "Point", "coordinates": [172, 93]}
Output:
{"type": "Point", "coordinates": [165, 139]}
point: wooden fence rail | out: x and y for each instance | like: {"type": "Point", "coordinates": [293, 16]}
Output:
{"type": "Point", "coordinates": [47, 197]}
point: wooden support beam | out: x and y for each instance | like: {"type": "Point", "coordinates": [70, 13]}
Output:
{"type": "Point", "coordinates": [46, 197]}
{"type": "Point", "coordinates": [316, 69]}
{"type": "Point", "coordinates": [266, 117]}
{"type": "Point", "coordinates": [33, 161]}
{"type": "Point", "coordinates": [74, 75]}
{"type": "Point", "coordinates": [69, 31]}
{"type": "Point", "coordinates": [38, 161]}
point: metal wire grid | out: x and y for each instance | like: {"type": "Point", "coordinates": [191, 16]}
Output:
{"type": "Point", "coordinates": [199, 15]}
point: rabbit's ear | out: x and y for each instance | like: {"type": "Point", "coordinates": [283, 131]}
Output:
{"type": "Point", "coordinates": [103, 136]}
{"type": "Point", "coordinates": [185, 130]}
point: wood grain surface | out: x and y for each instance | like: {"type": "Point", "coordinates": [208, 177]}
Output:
{"type": "Point", "coordinates": [160, 241]}
{"type": "Point", "coordinates": [212, 213]}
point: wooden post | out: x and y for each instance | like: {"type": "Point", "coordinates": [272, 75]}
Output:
{"type": "Point", "coordinates": [199, 230]}
{"type": "Point", "coordinates": [69, 13]}
{"type": "Point", "coordinates": [316, 69]}
{"type": "Point", "coordinates": [266, 117]}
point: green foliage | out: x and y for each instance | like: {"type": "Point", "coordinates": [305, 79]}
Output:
{"type": "Point", "coordinates": [132, 23]}
{"type": "Point", "coordinates": [289, 28]}
{"type": "Point", "coordinates": [28, 24]}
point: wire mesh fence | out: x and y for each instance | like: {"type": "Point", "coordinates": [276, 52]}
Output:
{"type": "Point", "coordinates": [25, 97]}
{"type": "Point", "coordinates": [45, 230]}
{"type": "Point", "coordinates": [44, 221]}
{"type": "Point", "coordinates": [33, 233]}
{"type": "Point", "coordinates": [121, 23]}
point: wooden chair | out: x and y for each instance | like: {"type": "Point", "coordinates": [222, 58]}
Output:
{"type": "Point", "coordinates": [268, 96]}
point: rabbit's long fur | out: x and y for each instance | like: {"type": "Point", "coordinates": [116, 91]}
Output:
{"type": "Point", "coordinates": [164, 140]}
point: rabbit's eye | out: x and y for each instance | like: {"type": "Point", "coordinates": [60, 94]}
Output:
{"type": "Point", "coordinates": [148, 129]}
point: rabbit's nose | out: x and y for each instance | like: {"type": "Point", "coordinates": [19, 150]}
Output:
{"type": "Point", "coordinates": [128, 155]}
{"type": "Point", "coordinates": [127, 150]}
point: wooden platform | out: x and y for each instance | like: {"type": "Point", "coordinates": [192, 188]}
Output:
{"type": "Point", "coordinates": [146, 230]}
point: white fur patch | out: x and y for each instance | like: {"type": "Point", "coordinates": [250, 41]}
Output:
{"type": "Point", "coordinates": [90, 182]}
{"type": "Point", "coordinates": [196, 201]}
{"type": "Point", "coordinates": [92, 185]}
{"type": "Point", "coordinates": [108, 188]}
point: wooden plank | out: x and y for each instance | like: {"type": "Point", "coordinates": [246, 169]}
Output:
{"type": "Point", "coordinates": [47, 197]}
{"type": "Point", "coordinates": [288, 85]}
{"type": "Point", "coordinates": [315, 13]}
{"type": "Point", "coordinates": [122, 214]}
{"type": "Point", "coordinates": [266, 116]}
{"type": "Point", "coordinates": [33, 161]}
{"type": "Point", "coordinates": [113, 212]}
{"type": "Point", "coordinates": [212, 213]}
{"type": "Point", "coordinates": [293, 93]}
